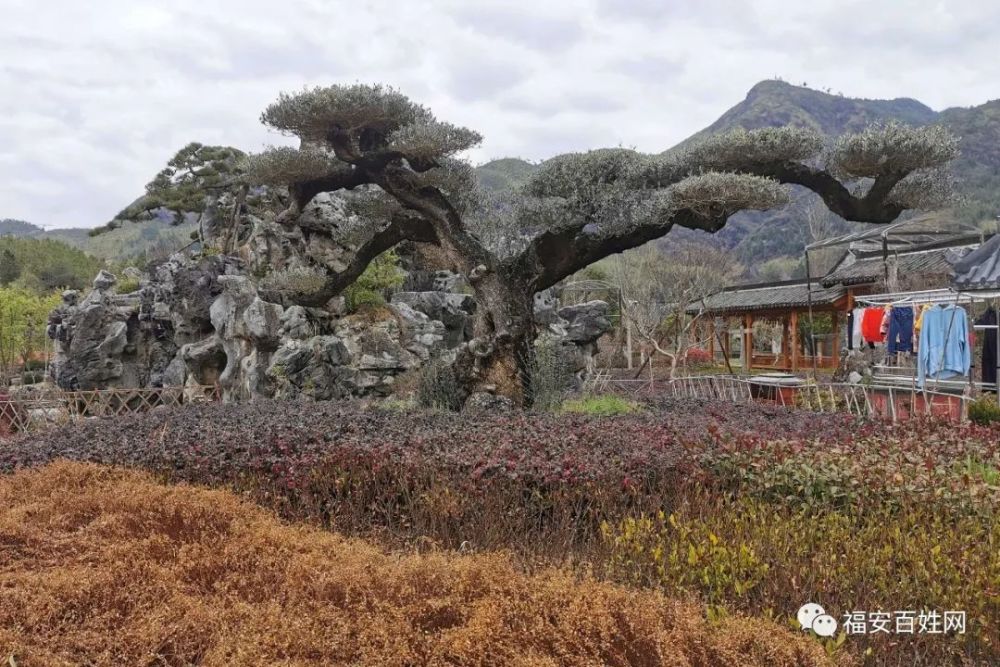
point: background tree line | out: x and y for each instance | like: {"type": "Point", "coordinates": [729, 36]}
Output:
{"type": "Point", "coordinates": [33, 272]}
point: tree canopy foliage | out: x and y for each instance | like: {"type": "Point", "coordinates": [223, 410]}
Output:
{"type": "Point", "coordinates": [187, 185]}
{"type": "Point", "coordinates": [43, 265]}
{"type": "Point", "coordinates": [400, 171]}
{"type": "Point", "coordinates": [23, 316]}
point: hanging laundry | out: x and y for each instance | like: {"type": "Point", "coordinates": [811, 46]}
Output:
{"type": "Point", "coordinates": [919, 319]}
{"type": "Point", "coordinates": [989, 346]}
{"type": "Point", "coordinates": [944, 344]}
{"type": "Point", "coordinates": [856, 336]}
{"type": "Point", "coordinates": [900, 330]}
{"type": "Point", "coordinates": [884, 326]}
{"type": "Point", "coordinates": [854, 339]}
{"type": "Point", "coordinates": [871, 323]}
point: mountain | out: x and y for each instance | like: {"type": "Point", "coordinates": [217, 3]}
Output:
{"type": "Point", "coordinates": [756, 237]}
{"type": "Point", "coordinates": [125, 243]}
{"type": "Point", "coordinates": [978, 166]}
{"type": "Point", "coordinates": [504, 173]}
{"type": "Point", "coordinates": [775, 103]}
{"type": "Point", "coordinates": [42, 264]}
{"type": "Point", "coordinates": [759, 236]}
{"type": "Point", "coordinates": [20, 228]}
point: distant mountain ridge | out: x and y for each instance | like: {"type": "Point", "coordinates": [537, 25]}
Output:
{"type": "Point", "coordinates": [127, 242]}
{"type": "Point", "coordinates": [756, 237]}
{"type": "Point", "coordinates": [775, 103]}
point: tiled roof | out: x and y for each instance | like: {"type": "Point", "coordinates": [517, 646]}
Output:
{"type": "Point", "coordinates": [869, 267]}
{"type": "Point", "coordinates": [980, 269]}
{"type": "Point", "coordinates": [770, 296]}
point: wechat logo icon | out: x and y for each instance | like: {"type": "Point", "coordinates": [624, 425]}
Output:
{"type": "Point", "coordinates": [813, 617]}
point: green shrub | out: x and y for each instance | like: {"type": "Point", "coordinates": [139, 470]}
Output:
{"type": "Point", "coordinates": [399, 405]}
{"type": "Point", "coordinates": [356, 298]}
{"type": "Point", "coordinates": [382, 274]}
{"type": "Point", "coordinates": [127, 286]}
{"type": "Point", "coordinates": [984, 410]}
{"type": "Point", "coordinates": [438, 387]}
{"type": "Point", "coordinates": [684, 556]}
{"type": "Point", "coordinates": [868, 466]}
{"type": "Point", "coordinates": [765, 559]}
{"type": "Point", "coordinates": [603, 406]}
{"type": "Point", "coordinates": [981, 471]}
{"type": "Point", "coordinates": [34, 365]}
{"type": "Point", "coordinates": [33, 377]}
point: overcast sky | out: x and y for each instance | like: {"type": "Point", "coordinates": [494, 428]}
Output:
{"type": "Point", "coordinates": [95, 97]}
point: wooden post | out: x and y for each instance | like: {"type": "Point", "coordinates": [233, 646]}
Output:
{"type": "Point", "coordinates": [785, 344]}
{"type": "Point", "coordinates": [628, 342]}
{"type": "Point", "coordinates": [747, 342]}
{"type": "Point", "coordinates": [711, 340]}
{"type": "Point", "coordinates": [727, 340]}
{"type": "Point", "coordinates": [835, 352]}
{"type": "Point", "coordinates": [794, 326]}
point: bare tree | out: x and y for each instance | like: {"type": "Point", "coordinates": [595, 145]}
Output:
{"type": "Point", "coordinates": [659, 287]}
{"type": "Point", "coordinates": [821, 223]}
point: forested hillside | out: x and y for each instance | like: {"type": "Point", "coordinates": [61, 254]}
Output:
{"type": "Point", "coordinates": [44, 264]}
{"type": "Point", "coordinates": [760, 236]}
{"type": "Point", "coordinates": [129, 242]}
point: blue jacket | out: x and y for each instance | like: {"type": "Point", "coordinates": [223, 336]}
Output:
{"type": "Point", "coordinates": [944, 344]}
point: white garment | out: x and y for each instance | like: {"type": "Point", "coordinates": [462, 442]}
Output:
{"type": "Point", "coordinates": [856, 340]}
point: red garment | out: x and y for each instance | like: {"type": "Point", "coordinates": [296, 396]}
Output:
{"type": "Point", "coordinates": [871, 325]}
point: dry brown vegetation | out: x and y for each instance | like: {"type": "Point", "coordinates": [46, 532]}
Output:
{"type": "Point", "coordinates": [102, 566]}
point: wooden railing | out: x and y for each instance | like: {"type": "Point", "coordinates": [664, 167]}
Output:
{"type": "Point", "coordinates": [894, 403]}
{"type": "Point", "coordinates": [53, 408]}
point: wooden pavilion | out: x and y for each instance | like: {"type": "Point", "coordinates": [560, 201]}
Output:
{"type": "Point", "coordinates": [786, 302]}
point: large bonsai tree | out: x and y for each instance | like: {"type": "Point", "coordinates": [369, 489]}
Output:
{"type": "Point", "coordinates": [397, 165]}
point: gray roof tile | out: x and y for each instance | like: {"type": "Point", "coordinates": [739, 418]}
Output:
{"type": "Point", "coordinates": [770, 296]}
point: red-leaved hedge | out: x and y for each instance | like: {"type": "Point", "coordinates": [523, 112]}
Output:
{"type": "Point", "coordinates": [491, 479]}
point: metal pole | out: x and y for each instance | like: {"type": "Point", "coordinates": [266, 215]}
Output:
{"type": "Point", "coordinates": [996, 333]}
{"type": "Point", "coordinates": [812, 328]}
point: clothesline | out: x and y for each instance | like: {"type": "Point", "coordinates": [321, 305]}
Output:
{"type": "Point", "coordinates": [951, 334]}
{"type": "Point", "coordinates": [928, 297]}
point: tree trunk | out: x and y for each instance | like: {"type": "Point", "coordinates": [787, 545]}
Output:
{"type": "Point", "coordinates": [500, 357]}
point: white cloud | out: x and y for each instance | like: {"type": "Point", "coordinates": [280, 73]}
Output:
{"type": "Point", "coordinates": [95, 97]}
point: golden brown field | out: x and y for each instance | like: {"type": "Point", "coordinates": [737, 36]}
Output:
{"type": "Point", "coordinates": [102, 566]}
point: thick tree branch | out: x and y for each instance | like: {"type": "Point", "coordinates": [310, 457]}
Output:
{"type": "Point", "coordinates": [450, 228]}
{"type": "Point", "coordinates": [303, 192]}
{"type": "Point", "coordinates": [554, 255]}
{"type": "Point", "coordinates": [402, 228]}
{"type": "Point", "coordinates": [874, 207]}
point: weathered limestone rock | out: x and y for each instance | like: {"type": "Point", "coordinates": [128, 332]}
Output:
{"type": "Point", "coordinates": [316, 368]}
{"type": "Point", "coordinates": [577, 328]}
{"type": "Point", "coordinates": [453, 310]}
{"type": "Point", "coordinates": [198, 319]}
{"type": "Point", "coordinates": [586, 322]}
{"type": "Point", "coordinates": [420, 334]}
{"type": "Point", "coordinates": [90, 338]}
{"type": "Point", "coordinates": [856, 364]}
